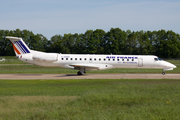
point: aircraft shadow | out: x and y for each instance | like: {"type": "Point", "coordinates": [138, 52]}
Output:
{"type": "Point", "coordinates": [76, 75]}
{"type": "Point", "coordinates": [71, 75]}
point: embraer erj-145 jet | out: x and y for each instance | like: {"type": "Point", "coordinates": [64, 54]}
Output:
{"type": "Point", "coordinates": [87, 62]}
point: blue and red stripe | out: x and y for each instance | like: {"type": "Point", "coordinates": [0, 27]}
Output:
{"type": "Point", "coordinates": [20, 48]}
{"type": "Point", "coordinates": [26, 50]}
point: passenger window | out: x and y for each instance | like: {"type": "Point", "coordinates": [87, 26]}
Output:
{"type": "Point", "coordinates": [99, 59]}
{"type": "Point", "coordinates": [132, 59]}
{"type": "Point", "coordinates": [84, 58]}
{"type": "Point", "coordinates": [127, 59]}
{"type": "Point", "coordinates": [122, 59]}
{"type": "Point", "coordinates": [104, 59]}
{"type": "Point", "coordinates": [66, 58]}
{"type": "Point", "coordinates": [90, 59]}
{"type": "Point", "coordinates": [113, 59]}
{"type": "Point", "coordinates": [109, 59]}
{"type": "Point", "coordinates": [80, 59]}
{"type": "Point", "coordinates": [71, 58]}
{"type": "Point", "coordinates": [94, 59]}
{"type": "Point", "coordinates": [75, 58]}
{"type": "Point", "coordinates": [117, 59]}
{"type": "Point", "coordinates": [62, 58]}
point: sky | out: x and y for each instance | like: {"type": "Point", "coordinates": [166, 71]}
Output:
{"type": "Point", "coordinates": [54, 17]}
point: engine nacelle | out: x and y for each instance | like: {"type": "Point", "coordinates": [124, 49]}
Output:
{"type": "Point", "coordinates": [46, 57]}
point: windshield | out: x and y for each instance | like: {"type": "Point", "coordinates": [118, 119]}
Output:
{"type": "Point", "coordinates": [159, 59]}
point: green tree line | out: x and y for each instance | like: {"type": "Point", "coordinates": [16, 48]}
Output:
{"type": "Point", "coordinates": [165, 44]}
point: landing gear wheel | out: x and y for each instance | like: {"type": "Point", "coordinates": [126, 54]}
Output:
{"type": "Point", "coordinates": [79, 73]}
{"type": "Point", "coordinates": [163, 73]}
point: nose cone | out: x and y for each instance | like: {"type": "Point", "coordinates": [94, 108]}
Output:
{"type": "Point", "coordinates": [171, 65]}
{"type": "Point", "coordinates": [174, 66]}
{"type": "Point", "coordinates": [167, 64]}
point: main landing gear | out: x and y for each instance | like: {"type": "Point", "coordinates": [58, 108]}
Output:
{"type": "Point", "coordinates": [81, 72]}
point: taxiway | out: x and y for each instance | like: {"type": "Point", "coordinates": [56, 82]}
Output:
{"type": "Point", "coordinates": [86, 76]}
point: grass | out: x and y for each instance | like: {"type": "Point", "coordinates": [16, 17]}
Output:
{"type": "Point", "coordinates": [87, 99]}
{"type": "Point", "coordinates": [90, 99]}
{"type": "Point", "coordinates": [11, 60]}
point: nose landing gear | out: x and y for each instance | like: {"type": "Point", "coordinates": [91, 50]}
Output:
{"type": "Point", "coordinates": [166, 69]}
{"type": "Point", "coordinates": [163, 73]}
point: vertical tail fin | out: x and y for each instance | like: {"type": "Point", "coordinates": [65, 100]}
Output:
{"type": "Point", "coordinates": [19, 46]}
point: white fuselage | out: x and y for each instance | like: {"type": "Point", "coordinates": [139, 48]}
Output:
{"type": "Point", "coordinates": [100, 61]}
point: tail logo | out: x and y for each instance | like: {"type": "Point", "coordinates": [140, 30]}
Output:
{"type": "Point", "coordinates": [19, 47]}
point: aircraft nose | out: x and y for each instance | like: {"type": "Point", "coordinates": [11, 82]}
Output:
{"type": "Point", "coordinates": [173, 66]}
{"type": "Point", "coordinates": [168, 65]}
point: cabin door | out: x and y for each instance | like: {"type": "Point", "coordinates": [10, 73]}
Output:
{"type": "Point", "coordinates": [140, 62]}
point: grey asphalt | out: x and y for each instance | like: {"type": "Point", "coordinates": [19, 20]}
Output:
{"type": "Point", "coordinates": [86, 76]}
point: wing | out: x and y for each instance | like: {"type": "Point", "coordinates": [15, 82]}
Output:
{"type": "Point", "coordinates": [86, 66]}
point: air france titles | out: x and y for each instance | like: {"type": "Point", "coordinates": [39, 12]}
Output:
{"type": "Point", "coordinates": [124, 59]}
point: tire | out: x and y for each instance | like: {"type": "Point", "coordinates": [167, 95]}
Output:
{"type": "Point", "coordinates": [79, 73]}
{"type": "Point", "coordinates": [163, 73]}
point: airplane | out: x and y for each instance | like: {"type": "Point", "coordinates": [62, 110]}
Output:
{"type": "Point", "coordinates": [86, 62]}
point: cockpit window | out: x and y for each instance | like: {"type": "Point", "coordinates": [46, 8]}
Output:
{"type": "Point", "coordinates": [159, 59]}
{"type": "Point", "coordinates": [155, 59]}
